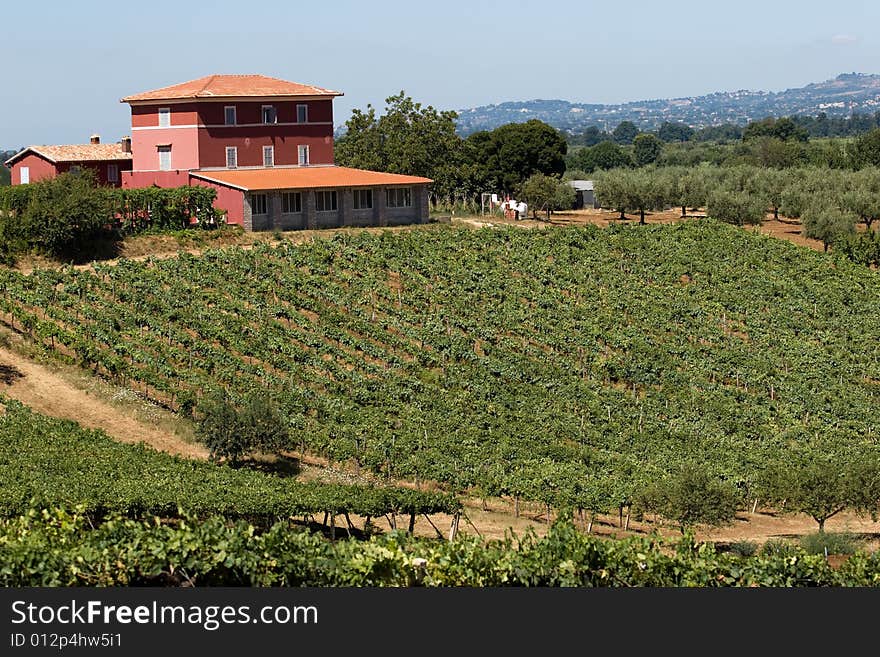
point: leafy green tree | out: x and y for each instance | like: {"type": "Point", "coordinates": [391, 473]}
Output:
{"type": "Point", "coordinates": [64, 214]}
{"type": "Point", "coordinates": [735, 207]}
{"type": "Point", "coordinates": [822, 482]}
{"type": "Point", "coordinates": [688, 187]}
{"type": "Point", "coordinates": [409, 139]}
{"type": "Point", "coordinates": [867, 149]}
{"type": "Point", "coordinates": [777, 153]}
{"type": "Point", "coordinates": [632, 189]}
{"type": "Point", "coordinates": [547, 193]}
{"type": "Point", "coordinates": [670, 132]}
{"type": "Point", "coordinates": [769, 186]}
{"type": "Point", "coordinates": [644, 191]}
{"type": "Point", "coordinates": [231, 432]}
{"type": "Point", "coordinates": [591, 136]}
{"type": "Point", "coordinates": [611, 191]}
{"type": "Point", "coordinates": [827, 223]}
{"type": "Point", "coordinates": [719, 133]}
{"type": "Point", "coordinates": [691, 496]}
{"type": "Point", "coordinates": [862, 197]}
{"type": "Point", "coordinates": [625, 132]}
{"type": "Point", "coordinates": [784, 129]}
{"type": "Point", "coordinates": [218, 427]}
{"type": "Point", "coordinates": [603, 156]}
{"type": "Point", "coordinates": [508, 155]}
{"type": "Point", "coordinates": [646, 149]}
{"type": "Point", "coordinates": [261, 420]}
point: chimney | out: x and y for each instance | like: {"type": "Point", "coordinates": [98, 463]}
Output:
{"type": "Point", "coordinates": [95, 139]}
{"type": "Point", "coordinates": [125, 142]}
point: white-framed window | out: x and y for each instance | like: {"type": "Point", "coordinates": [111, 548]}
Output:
{"type": "Point", "coordinates": [302, 155]}
{"type": "Point", "coordinates": [268, 156]}
{"type": "Point", "coordinates": [112, 173]}
{"type": "Point", "coordinates": [231, 157]}
{"type": "Point", "coordinates": [291, 202]}
{"type": "Point", "coordinates": [398, 197]}
{"type": "Point", "coordinates": [230, 115]}
{"type": "Point", "coordinates": [302, 113]}
{"type": "Point", "coordinates": [164, 117]}
{"type": "Point", "coordinates": [259, 204]}
{"type": "Point", "coordinates": [74, 169]}
{"type": "Point", "coordinates": [363, 199]}
{"type": "Point", "coordinates": [325, 201]}
{"type": "Point", "coordinates": [25, 173]}
{"type": "Point", "coordinates": [164, 158]}
{"type": "Point", "coordinates": [269, 114]}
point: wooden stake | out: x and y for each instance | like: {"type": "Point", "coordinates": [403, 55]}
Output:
{"type": "Point", "coordinates": [471, 524]}
{"type": "Point", "coordinates": [430, 522]}
{"type": "Point", "coordinates": [453, 527]}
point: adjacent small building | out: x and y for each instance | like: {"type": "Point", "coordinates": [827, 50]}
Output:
{"type": "Point", "coordinates": [584, 195]}
{"type": "Point", "coordinates": [108, 161]}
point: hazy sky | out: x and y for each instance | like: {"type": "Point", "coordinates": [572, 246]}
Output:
{"type": "Point", "coordinates": [67, 63]}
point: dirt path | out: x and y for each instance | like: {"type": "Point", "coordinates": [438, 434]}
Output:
{"type": "Point", "coordinates": [48, 391]}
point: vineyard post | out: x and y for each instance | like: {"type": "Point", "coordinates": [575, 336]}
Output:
{"type": "Point", "coordinates": [453, 527]}
{"type": "Point", "coordinates": [431, 522]}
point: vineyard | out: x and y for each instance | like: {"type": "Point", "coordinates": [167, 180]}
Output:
{"type": "Point", "coordinates": [44, 461]}
{"type": "Point", "coordinates": [57, 547]}
{"type": "Point", "coordinates": [572, 366]}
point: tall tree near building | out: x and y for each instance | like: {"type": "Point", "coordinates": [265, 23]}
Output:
{"type": "Point", "coordinates": [408, 138]}
{"type": "Point", "coordinates": [646, 149]}
{"type": "Point", "coordinates": [625, 132]}
{"type": "Point", "coordinates": [508, 155]}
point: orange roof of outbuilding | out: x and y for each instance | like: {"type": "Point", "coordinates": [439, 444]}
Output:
{"type": "Point", "coordinates": [231, 86]}
{"type": "Point", "coordinates": [308, 177]}
{"type": "Point", "coordinates": [76, 153]}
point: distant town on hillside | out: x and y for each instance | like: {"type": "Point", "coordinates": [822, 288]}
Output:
{"type": "Point", "coordinates": [847, 94]}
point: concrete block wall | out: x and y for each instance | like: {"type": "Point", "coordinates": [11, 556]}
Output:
{"type": "Point", "coordinates": [345, 214]}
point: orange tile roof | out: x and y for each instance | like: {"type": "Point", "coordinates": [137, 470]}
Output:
{"type": "Point", "coordinates": [76, 153]}
{"type": "Point", "coordinates": [311, 177]}
{"type": "Point", "coordinates": [231, 86]}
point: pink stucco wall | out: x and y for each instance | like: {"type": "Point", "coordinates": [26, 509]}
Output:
{"type": "Point", "coordinates": [38, 168]}
{"type": "Point", "coordinates": [229, 199]}
{"type": "Point", "coordinates": [134, 179]}
{"type": "Point", "coordinates": [184, 148]}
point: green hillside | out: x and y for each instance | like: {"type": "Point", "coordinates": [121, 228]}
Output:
{"type": "Point", "coordinates": [568, 365]}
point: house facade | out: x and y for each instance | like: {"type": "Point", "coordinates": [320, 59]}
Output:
{"type": "Point", "coordinates": [266, 146]}
{"type": "Point", "coordinates": [108, 161]}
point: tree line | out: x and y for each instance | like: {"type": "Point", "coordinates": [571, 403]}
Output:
{"type": "Point", "coordinates": [806, 127]}
{"type": "Point", "coordinates": [778, 143]}
{"type": "Point", "coordinates": [829, 203]}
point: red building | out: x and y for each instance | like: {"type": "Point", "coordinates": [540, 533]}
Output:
{"type": "Point", "coordinates": [266, 145]}
{"type": "Point", "coordinates": [108, 161]}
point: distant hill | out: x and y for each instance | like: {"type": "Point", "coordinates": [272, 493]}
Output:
{"type": "Point", "coordinates": [847, 93]}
